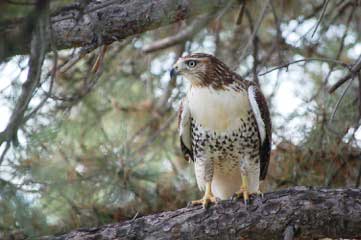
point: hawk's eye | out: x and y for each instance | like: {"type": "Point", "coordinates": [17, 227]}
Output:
{"type": "Point", "coordinates": [191, 63]}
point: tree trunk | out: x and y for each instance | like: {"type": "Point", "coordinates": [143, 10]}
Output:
{"type": "Point", "coordinates": [302, 212]}
{"type": "Point", "coordinates": [103, 22]}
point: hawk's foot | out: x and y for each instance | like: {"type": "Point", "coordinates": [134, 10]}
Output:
{"type": "Point", "coordinates": [205, 201]}
{"type": "Point", "coordinates": [258, 194]}
{"type": "Point", "coordinates": [242, 193]}
{"type": "Point", "coordinates": [207, 198]}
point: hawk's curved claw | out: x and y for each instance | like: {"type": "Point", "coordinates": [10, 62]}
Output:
{"type": "Point", "coordinates": [258, 193]}
{"type": "Point", "coordinates": [205, 201]}
{"type": "Point", "coordinates": [207, 198]}
{"type": "Point", "coordinates": [242, 194]}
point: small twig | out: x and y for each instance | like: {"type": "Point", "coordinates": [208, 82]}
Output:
{"type": "Point", "coordinates": [342, 45]}
{"type": "Point", "coordinates": [286, 65]}
{"type": "Point", "coordinates": [135, 216]}
{"type": "Point", "coordinates": [131, 223]}
{"type": "Point", "coordinates": [70, 63]}
{"type": "Point", "coordinates": [254, 33]}
{"type": "Point", "coordinates": [277, 21]}
{"type": "Point", "coordinates": [355, 68]}
{"type": "Point", "coordinates": [321, 17]}
{"type": "Point", "coordinates": [279, 32]}
{"type": "Point", "coordinates": [7, 147]}
{"type": "Point", "coordinates": [187, 32]}
{"type": "Point", "coordinates": [180, 37]}
{"type": "Point", "coordinates": [339, 101]}
{"type": "Point", "coordinates": [99, 59]}
{"type": "Point", "coordinates": [241, 13]}
{"type": "Point", "coordinates": [255, 44]}
{"type": "Point", "coordinates": [47, 95]}
{"type": "Point", "coordinates": [312, 28]}
{"type": "Point", "coordinates": [263, 59]}
{"type": "Point", "coordinates": [339, 10]}
{"type": "Point", "coordinates": [224, 10]}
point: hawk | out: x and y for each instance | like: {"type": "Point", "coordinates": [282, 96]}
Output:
{"type": "Point", "coordinates": [224, 127]}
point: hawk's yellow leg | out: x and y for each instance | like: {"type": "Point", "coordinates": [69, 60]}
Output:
{"type": "Point", "coordinates": [207, 198]}
{"type": "Point", "coordinates": [244, 190]}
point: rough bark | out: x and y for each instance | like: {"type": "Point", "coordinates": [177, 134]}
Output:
{"type": "Point", "coordinates": [103, 22]}
{"type": "Point", "coordinates": [303, 212]}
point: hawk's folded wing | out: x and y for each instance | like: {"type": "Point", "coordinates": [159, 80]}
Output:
{"type": "Point", "coordinates": [260, 110]}
{"type": "Point", "coordinates": [184, 125]}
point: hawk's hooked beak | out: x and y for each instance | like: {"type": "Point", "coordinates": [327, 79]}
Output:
{"type": "Point", "coordinates": [176, 69]}
{"type": "Point", "coordinates": [173, 72]}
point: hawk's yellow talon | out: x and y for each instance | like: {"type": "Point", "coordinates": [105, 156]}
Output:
{"type": "Point", "coordinates": [243, 192]}
{"type": "Point", "coordinates": [258, 193]}
{"type": "Point", "coordinates": [207, 198]}
{"type": "Point", "coordinates": [205, 201]}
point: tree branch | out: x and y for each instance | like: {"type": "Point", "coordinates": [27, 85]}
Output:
{"type": "Point", "coordinates": [355, 69]}
{"type": "Point", "coordinates": [286, 65]}
{"type": "Point", "coordinates": [180, 37]}
{"type": "Point", "coordinates": [300, 212]}
{"type": "Point", "coordinates": [256, 28]}
{"type": "Point", "coordinates": [37, 54]}
{"type": "Point", "coordinates": [76, 26]}
{"type": "Point", "coordinates": [321, 16]}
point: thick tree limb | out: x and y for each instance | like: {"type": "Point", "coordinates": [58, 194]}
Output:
{"type": "Point", "coordinates": [302, 212]}
{"type": "Point", "coordinates": [103, 22]}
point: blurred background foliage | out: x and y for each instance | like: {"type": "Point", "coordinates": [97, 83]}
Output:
{"type": "Point", "coordinates": [104, 147]}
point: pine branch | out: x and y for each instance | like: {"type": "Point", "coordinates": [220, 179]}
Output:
{"type": "Point", "coordinates": [300, 212]}
{"type": "Point", "coordinates": [103, 22]}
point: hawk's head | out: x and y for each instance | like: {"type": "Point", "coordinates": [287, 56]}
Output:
{"type": "Point", "coordinates": [203, 70]}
